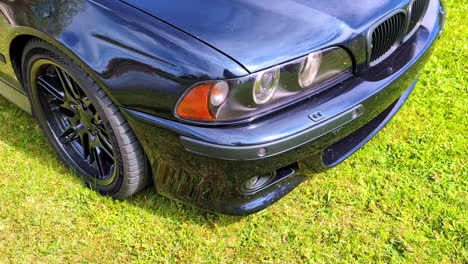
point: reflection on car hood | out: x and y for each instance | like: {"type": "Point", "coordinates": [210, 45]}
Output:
{"type": "Point", "coordinates": [261, 33]}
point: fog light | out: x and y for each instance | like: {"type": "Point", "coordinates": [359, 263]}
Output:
{"type": "Point", "coordinates": [265, 86]}
{"type": "Point", "coordinates": [251, 182]}
{"type": "Point", "coordinates": [258, 182]}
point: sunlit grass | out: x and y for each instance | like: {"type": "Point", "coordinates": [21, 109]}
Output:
{"type": "Point", "coordinates": [402, 198]}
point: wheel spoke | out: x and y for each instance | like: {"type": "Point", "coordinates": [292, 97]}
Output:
{"type": "Point", "coordinates": [68, 85]}
{"type": "Point", "coordinates": [102, 130]}
{"type": "Point", "coordinates": [50, 88]}
{"type": "Point", "coordinates": [68, 135]}
{"type": "Point", "coordinates": [105, 146]}
{"type": "Point", "coordinates": [87, 102]}
{"type": "Point", "coordinates": [67, 113]}
{"type": "Point", "coordinates": [86, 145]}
{"type": "Point", "coordinates": [56, 101]}
{"type": "Point", "coordinates": [99, 162]}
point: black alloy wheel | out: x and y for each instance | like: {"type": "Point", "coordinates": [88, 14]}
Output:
{"type": "Point", "coordinates": [75, 122]}
{"type": "Point", "coordinates": [82, 124]}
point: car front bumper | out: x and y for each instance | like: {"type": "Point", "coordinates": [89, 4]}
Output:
{"type": "Point", "coordinates": [207, 166]}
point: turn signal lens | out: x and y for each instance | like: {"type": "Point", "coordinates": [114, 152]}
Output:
{"type": "Point", "coordinates": [195, 104]}
{"type": "Point", "coordinates": [219, 93]}
{"type": "Point", "coordinates": [265, 86]}
{"type": "Point", "coordinates": [310, 67]}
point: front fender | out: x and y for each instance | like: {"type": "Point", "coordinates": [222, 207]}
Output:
{"type": "Point", "coordinates": [142, 62]}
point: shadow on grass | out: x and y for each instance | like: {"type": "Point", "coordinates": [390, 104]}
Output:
{"type": "Point", "coordinates": [20, 131]}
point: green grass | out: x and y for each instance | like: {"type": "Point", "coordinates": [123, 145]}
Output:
{"type": "Point", "coordinates": [402, 198]}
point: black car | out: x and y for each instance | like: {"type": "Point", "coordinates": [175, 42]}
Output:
{"type": "Point", "coordinates": [224, 104]}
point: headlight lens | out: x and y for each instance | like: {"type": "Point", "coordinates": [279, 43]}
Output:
{"type": "Point", "coordinates": [310, 67]}
{"type": "Point", "coordinates": [219, 93]}
{"type": "Point", "coordinates": [261, 92]}
{"type": "Point", "coordinates": [265, 86]}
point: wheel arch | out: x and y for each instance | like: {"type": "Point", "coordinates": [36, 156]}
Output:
{"type": "Point", "coordinates": [16, 50]}
{"type": "Point", "coordinates": [23, 35]}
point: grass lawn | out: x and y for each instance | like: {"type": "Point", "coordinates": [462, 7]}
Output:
{"type": "Point", "coordinates": [402, 198]}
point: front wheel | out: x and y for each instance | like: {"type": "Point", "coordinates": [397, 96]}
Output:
{"type": "Point", "coordinates": [82, 124]}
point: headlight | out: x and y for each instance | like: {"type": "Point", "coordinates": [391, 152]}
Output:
{"type": "Point", "coordinates": [261, 92]}
{"type": "Point", "coordinates": [265, 86]}
{"type": "Point", "coordinates": [219, 93]}
{"type": "Point", "coordinates": [310, 67]}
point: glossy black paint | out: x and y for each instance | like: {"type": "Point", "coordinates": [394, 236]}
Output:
{"type": "Point", "coordinates": [142, 63]}
{"type": "Point", "coordinates": [263, 33]}
{"type": "Point", "coordinates": [213, 184]}
{"type": "Point", "coordinates": [145, 54]}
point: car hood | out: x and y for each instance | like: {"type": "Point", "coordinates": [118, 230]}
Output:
{"type": "Point", "coordinates": [262, 33]}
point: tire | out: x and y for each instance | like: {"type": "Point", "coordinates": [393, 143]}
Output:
{"type": "Point", "coordinates": [82, 124]}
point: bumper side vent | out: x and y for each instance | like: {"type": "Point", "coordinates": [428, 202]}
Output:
{"type": "Point", "coordinates": [180, 184]}
{"type": "Point", "coordinates": [386, 37]}
{"type": "Point", "coordinates": [417, 11]}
